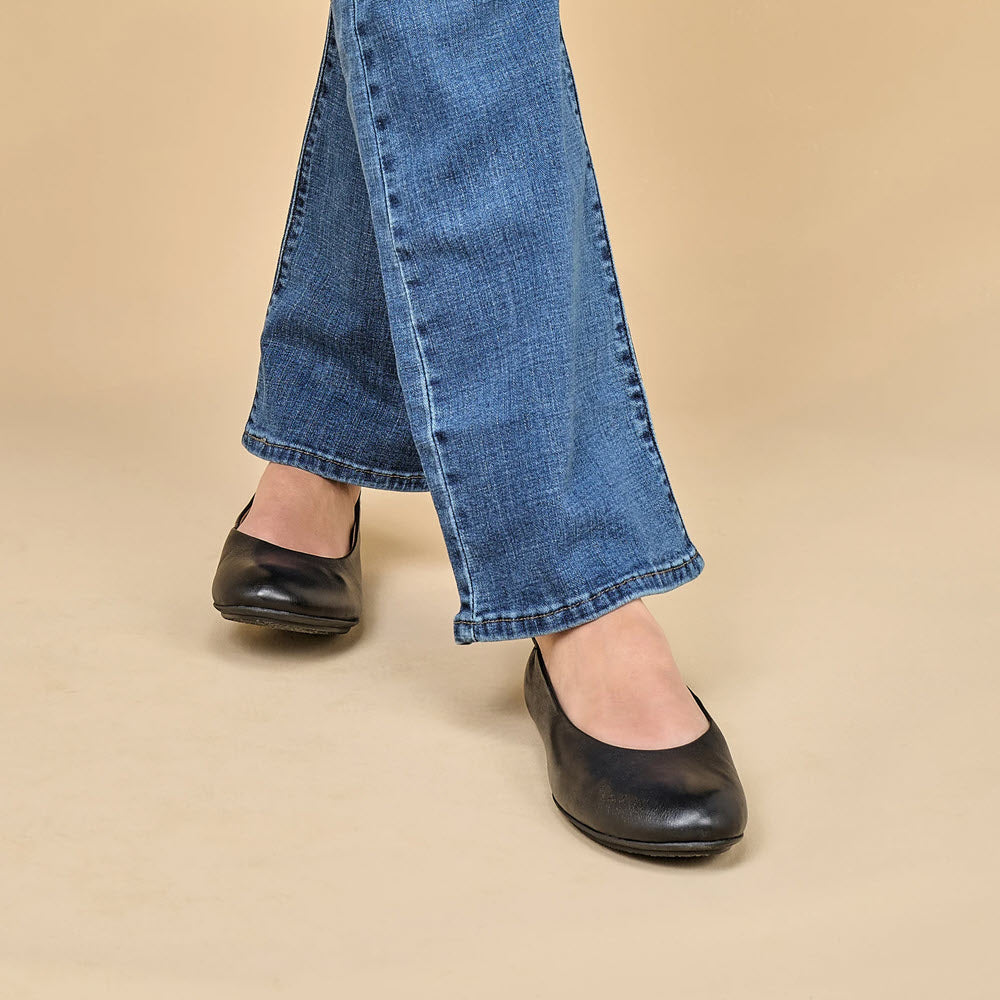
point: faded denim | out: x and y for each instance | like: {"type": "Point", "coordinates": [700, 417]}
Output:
{"type": "Point", "coordinates": [445, 315]}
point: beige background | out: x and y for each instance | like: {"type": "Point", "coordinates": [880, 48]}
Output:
{"type": "Point", "coordinates": [804, 210]}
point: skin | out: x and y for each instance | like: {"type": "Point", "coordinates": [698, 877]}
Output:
{"type": "Point", "coordinates": [615, 676]}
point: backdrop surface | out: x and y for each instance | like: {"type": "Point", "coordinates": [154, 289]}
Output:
{"type": "Point", "coordinates": [803, 206]}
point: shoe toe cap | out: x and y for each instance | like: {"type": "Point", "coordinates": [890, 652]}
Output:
{"type": "Point", "coordinates": [707, 815]}
{"type": "Point", "coordinates": [717, 815]}
{"type": "Point", "coordinates": [652, 797]}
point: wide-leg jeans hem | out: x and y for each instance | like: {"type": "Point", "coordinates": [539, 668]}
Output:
{"type": "Point", "coordinates": [330, 467]}
{"type": "Point", "coordinates": [583, 609]}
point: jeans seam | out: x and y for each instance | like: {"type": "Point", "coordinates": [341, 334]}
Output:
{"type": "Point", "coordinates": [335, 461]}
{"type": "Point", "coordinates": [409, 303]}
{"type": "Point", "coordinates": [582, 600]}
{"type": "Point", "coordinates": [635, 387]}
{"type": "Point", "coordinates": [635, 390]}
{"type": "Point", "coordinates": [300, 189]}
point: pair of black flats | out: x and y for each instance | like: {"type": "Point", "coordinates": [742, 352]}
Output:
{"type": "Point", "coordinates": [675, 802]}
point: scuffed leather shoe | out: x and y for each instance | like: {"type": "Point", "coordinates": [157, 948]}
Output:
{"type": "Point", "coordinates": [673, 802]}
{"type": "Point", "coordinates": [260, 583]}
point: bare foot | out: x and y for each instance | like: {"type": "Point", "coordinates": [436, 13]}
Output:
{"type": "Point", "coordinates": [302, 511]}
{"type": "Point", "coordinates": [616, 679]}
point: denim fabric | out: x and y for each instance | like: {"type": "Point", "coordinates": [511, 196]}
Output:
{"type": "Point", "coordinates": [445, 315]}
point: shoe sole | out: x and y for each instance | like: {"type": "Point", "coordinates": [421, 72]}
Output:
{"type": "Point", "coordinates": [653, 849]}
{"type": "Point", "coordinates": [287, 620]}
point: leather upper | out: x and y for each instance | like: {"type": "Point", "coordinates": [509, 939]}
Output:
{"type": "Point", "coordinates": [253, 573]}
{"type": "Point", "coordinates": [681, 794]}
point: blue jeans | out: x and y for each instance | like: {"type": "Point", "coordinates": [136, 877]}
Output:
{"type": "Point", "coordinates": [445, 315]}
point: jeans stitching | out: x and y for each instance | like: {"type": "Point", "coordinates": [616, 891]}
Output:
{"type": "Point", "coordinates": [409, 302]}
{"type": "Point", "coordinates": [635, 391]}
{"type": "Point", "coordinates": [300, 189]}
{"type": "Point", "coordinates": [583, 600]}
{"type": "Point", "coordinates": [335, 461]}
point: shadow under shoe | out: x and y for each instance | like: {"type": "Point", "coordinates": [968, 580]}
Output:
{"type": "Point", "coordinates": [672, 802]}
{"type": "Point", "coordinates": [259, 583]}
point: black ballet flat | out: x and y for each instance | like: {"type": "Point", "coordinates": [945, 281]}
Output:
{"type": "Point", "coordinates": [259, 583]}
{"type": "Point", "coordinates": [673, 802]}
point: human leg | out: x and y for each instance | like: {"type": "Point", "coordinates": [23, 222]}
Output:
{"type": "Point", "coordinates": [522, 394]}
